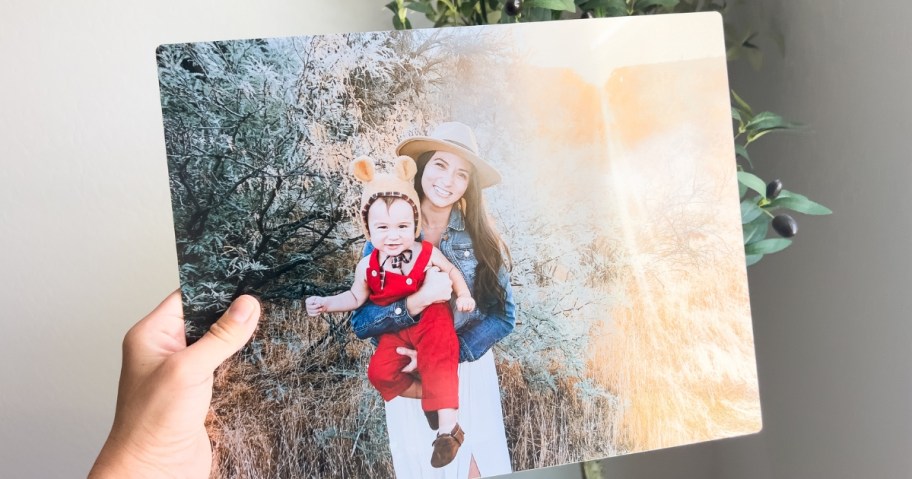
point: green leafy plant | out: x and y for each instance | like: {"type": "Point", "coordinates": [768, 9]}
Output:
{"type": "Point", "coordinates": [759, 199]}
{"type": "Point", "coordinates": [757, 210]}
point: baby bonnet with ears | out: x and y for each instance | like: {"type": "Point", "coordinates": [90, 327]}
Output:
{"type": "Point", "coordinates": [399, 183]}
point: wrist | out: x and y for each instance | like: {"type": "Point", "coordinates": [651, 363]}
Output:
{"type": "Point", "coordinates": [415, 304]}
{"type": "Point", "coordinates": [126, 455]}
{"type": "Point", "coordinates": [116, 460]}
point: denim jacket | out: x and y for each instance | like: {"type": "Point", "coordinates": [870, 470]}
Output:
{"type": "Point", "coordinates": [476, 331]}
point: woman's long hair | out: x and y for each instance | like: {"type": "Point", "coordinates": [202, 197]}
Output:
{"type": "Point", "coordinates": [490, 250]}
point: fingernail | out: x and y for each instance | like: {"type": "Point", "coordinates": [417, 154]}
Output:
{"type": "Point", "coordinates": [241, 309]}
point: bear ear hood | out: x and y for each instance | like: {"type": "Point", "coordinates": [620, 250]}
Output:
{"type": "Point", "coordinates": [406, 168]}
{"type": "Point", "coordinates": [398, 183]}
{"type": "Point", "coordinates": [363, 169]}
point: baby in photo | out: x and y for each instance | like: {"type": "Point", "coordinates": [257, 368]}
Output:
{"type": "Point", "coordinates": [394, 270]}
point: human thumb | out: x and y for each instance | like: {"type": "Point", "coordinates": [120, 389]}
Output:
{"type": "Point", "coordinates": [229, 334]}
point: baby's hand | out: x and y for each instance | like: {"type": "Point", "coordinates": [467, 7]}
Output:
{"type": "Point", "coordinates": [315, 305]}
{"type": "Point", "coordinates": [465, 304]}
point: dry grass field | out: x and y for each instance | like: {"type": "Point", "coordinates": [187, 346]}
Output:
{"type": "Point", "coordinates": [296, 403]}
{"type": "Point", "coordinates": [678, 349]}
{"type": "Point", "coordinates": [675, 353]}
{"type": "Point", "coordinates": [690, 381]}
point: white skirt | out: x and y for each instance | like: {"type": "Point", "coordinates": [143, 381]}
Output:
{"type": "Point", "coordinates": [480, 415]}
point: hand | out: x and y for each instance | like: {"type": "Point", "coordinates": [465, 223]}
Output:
{"type": "Point", "coordinates": [165, 390]}
{"type": "Point", "coordinates": [413, 358]}
{"type": "Point", "coordinates": [465, 304]}
{"type": "Point", "coordinates": [436, 288]}
{"type": "Point", "coordinates": [315, 305]}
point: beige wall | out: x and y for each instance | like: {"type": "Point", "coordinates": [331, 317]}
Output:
{"type": "Point", "coordinates": [832, 313]}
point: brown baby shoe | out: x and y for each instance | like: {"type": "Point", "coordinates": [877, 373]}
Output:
{"type": "Point", "coordinates": [446, 445]}
{"type": "Point", "coordinates": [433, 419]}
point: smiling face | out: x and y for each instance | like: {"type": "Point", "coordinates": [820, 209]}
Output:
{"type": "Point", "coordinates": [445, 179]}
{"type": "Point", "coordinates": [391, 226]}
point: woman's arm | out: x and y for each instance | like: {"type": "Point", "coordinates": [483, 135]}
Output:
{"type": "Point", "coordinates": [371, 320]}
{"type": "Point", "coordinates": [482, 331]}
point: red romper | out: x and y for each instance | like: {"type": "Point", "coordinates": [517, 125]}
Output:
{"type": "Point", "coordinates": [433, 337]}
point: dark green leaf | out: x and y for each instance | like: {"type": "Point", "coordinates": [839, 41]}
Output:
{"type": "Point", "coordinates": [736, 114]}
{"type": "Point", "coordinates": [467, 8]}
{"type": "Point", "coordinates": [424, 8]}
{"type": "Point", "coordinates": [611, 8]}
{"type": "Point", "coordinates": [741, 151]}
{"type": "Point", "coordinates": [767, 246]}
{"type": "Point", "coordinates": [743, 104]}
{"type": "Point", "coordinates": [767, 120]}
{"type": "Point", "coordinates": [667, 5]}
{"type": "Point", "coordinates": [606, 4]}
{"type": "Point", "coordinates": [747, 37]}
{"type": "Point", "coordinates": [749, 211]}
{"type": "Point", "coordinates": [800, 203]}
{"type": "Point", "coordinates": [449, 5]}
{"type": "Point", "coordinates": [753, 182]}
{"type": "Point", "coordinates": [393, 7]}
{"type": "Point", "coordinates": [752, 259]}
{"type": "Point", "coordinates": [741, 190]}
{"type": "Point", "coordinates": [564, 5]}
{"type": "Point", "coordinates": [756, 230]}
{"type": "Point", "coordinates": [536, 14]}
{"type": "Point", "coordinates": [788, 194]}
{"type": "Point", "coordinates": [441, 21]}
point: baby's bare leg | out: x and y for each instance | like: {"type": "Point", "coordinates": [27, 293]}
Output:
{"type": "Point", "coordinates": [413, 391]}
{"type": "Point", "coordinates": [474, 473]}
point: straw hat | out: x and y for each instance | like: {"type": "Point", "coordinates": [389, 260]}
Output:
{"type": "Point", "coordinates": [453, 137]}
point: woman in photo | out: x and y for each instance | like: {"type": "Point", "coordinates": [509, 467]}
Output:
{"type": "Point", "coordinates": [449, 181]}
